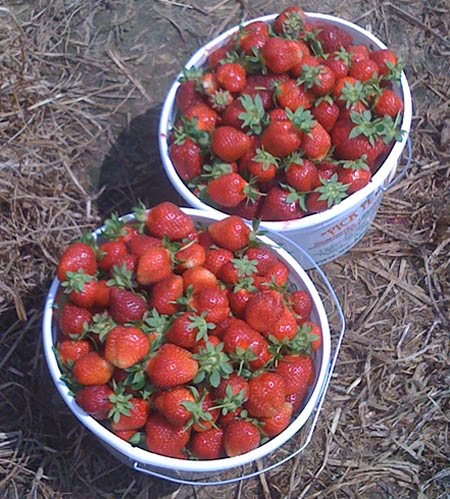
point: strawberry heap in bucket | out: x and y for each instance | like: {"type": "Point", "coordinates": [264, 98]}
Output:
{"type": "Point", "coordinates": [287, 120]}
{"type": "Point", "coordinates": [188, 341]}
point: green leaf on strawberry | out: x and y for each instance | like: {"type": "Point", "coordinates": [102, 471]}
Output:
{"type": "Point", "coordinates": [353, 94]}
{"type": "Point", "coordinates": [244, 266]}
{"type": "Point", "coordinates": [301, 119]}
{"type": "Point", "coordinates": [357, 164]}
{"type": "Point", "coordinates": [254, 115]}
{"type": "Point", "coordinates": [122, 277]}
{"type": "Point", "coordinates": [121, 403]}
{"type": "Point", "coordinates": [199, 322]}
{"type": "Point", "coordinates": [75, 281]}
{"type": "Point", "coordinates": [114, 228]}
{"type": "Point", "coordinates": [140, 216]}
{"type": "Point", "coordinates": [246, 283]}
{"type": "Point", "coordinates": [332, 191]}
{"type": "Point", "coordinates": [293, 26]}
{"type": "Point", "coordinates": [101, 325]}
{"type": "Point", "coordinates": [214, 365]}
{"type": "Point", "coordinates": [295, 196]}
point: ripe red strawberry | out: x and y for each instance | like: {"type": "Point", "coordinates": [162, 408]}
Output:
{"type": "Point", "coordinates": [285, 327]}
{"type": "Point", "coordinates": [230, 144]}
{"type": "Point", "coordinates": [171, 366]}
{"type": "Point", "coordinates": [199, 278]}
{"type": "Point", "coordinates": [240, 335]}
{"type": "Point", "coordinates": [187, 329]}
{"type": "Point", "coordinates": [216, 259]}
{"type": "Point", "coordinates": [315, 330]}
{"type": "Point", "coordinates": [125, 306]}
{"type": "Point", "coordinates": [78, 256]}
{"type": "Point", "coordinates": [388, 104]}
{"type": "Point", "coordinates": [263, 166]}
{"type": "Point", "coordinates": [275, 425]}
{"type": "Point", "coordinates": [355, 174]}
{"type": "Point", "coordinates": [386, 61]}
{"type": "Point", "coordinates": [166, 219]}
{"type": "Point", "coordinates": [231, 115]}
{"type": "Point", "coordinates": [250, 41]}
{"type": "Point", "coordinates": [74, 320]}
{"type": "Point", "coordinates": [138, 414]}
{"type": "Point", "coordinates": [240, 437]}
{"type": "Point", "coordinates": [154, 266]}
{"type": "Point", "coordinates": [281, 138]}
{"type": "Point", "coordinates": [203, 116]}
{"type": "Point", "coordinates": [231, 76]}
{"type": "Point", "coordinates": [187, 158]}
{"type": "Point", "coordinates": [91, 369]}
{"type": "Point", "coordinates": [203, 413]}
{"type": "Point", "coordinates": [364, 70]}
{"type": "Point", "coordinates": [278, 274]}
{"type": "Point", "coordinates": [95, 400]}
{"type": "Point", "coordinates": [264, 310]}
{"type": "Point", "coordinates": [140, 243]}
{"type": "Point", "coordinates": [339, 63]}
{"type": "Point", "coordinates": [125, 346]}
{"type": "Point", "coordinates": [303, 175]}
{"type": "Point", "coordinates": [112, 253]}
{"type": "Point", "coordinates": [326, 112]}
{"type": "Point", "coordinates": [170, 405]}
{"type": "Point", "coordinates": [332, 38]}
{"type": "Point", "coordinates": [201, 345]}
{"type": "Point", "coordinates": [258, 85]}
{"type": "Point", "coordinates": [69, 350]}
{"type": "Point", "coordinates": [317, 78]}
{"type": "Point", "coordinates": [187, 95]}
{"type": "Point", "coordinates": [81, 288]}
{"type": "Point", "coordinates": [102, 294]}
{"type": "Point", "coordinates": [230, 233]}
{"type": "Point", "coordinates": [218, 55]}
{"type": "Point", "coordinates": [350, 84]}
{"type": "Point", "coordinates": [359, 107]}
{"type": "Point", "coordinates": [296, 371]}
{"type": "Point", "coordinates": [265, 257]}
{"type": "Point", "coordinates": [205, 239]}
{"type": "Point", "coordinates": [301, 305]}
{"type": "Point", "coordinates": [228, 190]}
{"type": "Point", "coordinates": [292, 95]}
{"type": "Point", "coordinates": [165, 293]}
{"type": "Point", "coordinates": [358, 53]}
{"type": "Point", "coordinates": [277, 206]}
{"type": "Point", "coordinates": [297, 399]}
{"type": "Point", "coordinates": [125, 435]}
{"type": "Point", "coordinates": [213, 303]}
{"type": "Point", "coordinates": [281, 55]}
{"type": "Point", "coordinates": [248, 209]}
{"type": "Point", "coordinates": [289, 21]}
{"type": "Point", "coordinates": [165, 438]}
{"type": "Point", "coordinates": [208, 444]}
{"type": "Point", "coordinates": [267, 394]}
{"type": "Point", "coordinates": [189, 257]}
{"type": "Point", "coordinates": [234, 384]}
{"type": "Point", "coordinates": [316, 144]}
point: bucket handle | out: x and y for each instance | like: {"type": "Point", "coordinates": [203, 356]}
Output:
{"type": "Point", "coordinates": [138, 467]}
{"type": "Point", "coordinates": [397, 179]}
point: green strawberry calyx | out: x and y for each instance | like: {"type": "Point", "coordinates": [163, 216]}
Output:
{"type": "Point", "coordinates": [352, 94]}
{"type": "Point", "coordinates": [265, 158]}
{"type": "Point", "coordinates": [332, 191]}
{"type": "Point", "coordinates": [254, 116]}
{"type": "Point", "coordinates": [121, 403]}
{"type": "Point", "coordinates": [310, 76]}
{"type": "Point", "coordinates": [221, 99]}
{"type": "Point", "coordinates": [140, 216]}
{"type": "Point", "coordinates": [198, 415]}
{"type": "Point", "coordinates": [214, 364]}
{"type": "Point", "coordinates": [245, 283]}
{"type": "Point", "coordinates": [301, 119]}
{"type": "Point", "coordinates": [102, 324]}
{"type": "Point", "coordinates": [75, 281]}
{"type": "Point", "coordinates": [295, 196]}
{"type": "Point", "coordinates": [244, 266]}
{"type": "Point", "coordinates": [357, 164]}
{"type": "Point", "coordinates": [293, 26]}
{"type": "Point", "coordinates": [122, 277]}
{"type": "Point", "coordinates": [231, 401]}
{"type": "Point", "coordinates": [199, 322]}
{"type": "Point", "coordinates": [343, 55]}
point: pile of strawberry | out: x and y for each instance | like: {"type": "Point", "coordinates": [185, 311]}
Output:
{"type": "Point", "coordinates": [187, 341]}
{"type": "Point", "coordinates": [287, 120]}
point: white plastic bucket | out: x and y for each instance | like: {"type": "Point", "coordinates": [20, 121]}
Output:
{"type": "Point", "coordinates": [329, 234]}
{"type": "Point", "coordinates": [183, 470]}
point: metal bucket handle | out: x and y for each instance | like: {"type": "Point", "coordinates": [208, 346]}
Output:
{"type": "Point", "coordinates": [138, 467]}
{"type": "Point", "coordinates": [399, 177]}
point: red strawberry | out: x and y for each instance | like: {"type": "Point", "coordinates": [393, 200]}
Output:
{"type": "Point", "coordinates": [263, 166]}
{"type": "Point", "coordinates": [231, 115]}
{"type": "Point", "coordinates": [205, 239]}
{"type": "Point", "coordinates": [154, 266]}
{"type": "Point", "coordinates": [230, 144]}
{"type": "Point", "coordinates": [165, 293]}
{"type": "Point", "coordinates": [91, 369]}
{"type": "Point", "coordinates": [317, 78]}
{"type": "Point", "coordinates": [170, 405]}
{"type": "Point", "coordinates": [358, 53]}
{"type": "Point", "coordinates": [187, 96]}
{"type": "Point", "coordinates": [264, 310]}
{"type": "Point", "coordinates": [388, 104]}
{"type": "Point", "coordinates": [102, 294]}
{"type": "Point", "coordinates": [191, 256]}
{"type": "Point", "coordinates": [228, 190]}
{"type": "Point", "coordinates": [140, 243]}
{"type": "Point", "coordinates": [296, 371]}
{"type": "Point", "coordinates": [240, 437]}
{"type": "Point", "coordinates": [265, 258]}
{"type": "Point", "coordinates": [231, 76]}
{"type": "Point", "coordinates": [209, 84]}
{"type": "Point", "coordinates": [326, 112]}
{"type": "Point", "coordinates": [316, 144]}
{"type": "Point", "coordinates": [199, 278]}
{"type": "Point", "coordinates": [125, 306]}
{"type": "Point", "coordinates": [171, 366]}
{"type": "Point", "coordinates": [166, 219]}
{"type": "Point", "coordinates": [235, 385]}
{"type": "Point", "coordinates": [355, 174]}
{"type": "Point", "coordinates": [281, 55]}
{"type": "Point", "coordinates": [350, 85]}
{"type": "Point", "coordinates": [187, 159]}
{"type": "Point", "coordinates": [138, 414]}
{"type": "Point", "coordinates": [187, 329]}
{"type": "Point", "coordinates": [297, 399]}
{"type": "Point", "coordinates": [259, 85]}
{"type": "Point", "coordinates": [292, 95]}
{"type": "Point", "coordinates": [278, 274]}
{"type": "Point", "coordinates": [218, 55]}
{"type": "Point", "coordinates": [216, 259]}
{"type": "Point", "coordinates": [315, 330]}
{"type": "Point", "coordinates": [74, 320]}
{"type": "Point", "coordinates": [208, 444]}
{"type": "Point", "coordinates": [285, 327]}
{"type": "Point", "coordinates": [281, 138]}
{"type": "Point", "coordinates": [165, 438]}
{"type": "Point", "coordinates": [275, 425]}
{"type": "Point", "coordinates": [81, 287]}
{"type": "Point", "coordinates": [230, 233]}
{"type": "Point", "coordinates": [303, 176]}
{"type": "Point", "coordinates": [386, 61]}
{"type": "Point", "coordinates": [301, 305]}
{"type": "Point", "coordinates": [201, 345]}
{"type": "Point", "coordinates": [203, 414]}
{"type": "Point", "coordinates": [212, 302]}
{"type": "Point", "coordinates": [126, 346]}
{"type": "Point", "coordinates": [267, 394]}
{"type": "Point", "coordinates": [78, 256]}
{"type": "Point", "coordinates": [70, 350]}
{"type": "Point", "coordinates": [332, 38]}
{"type": "Point", "coordinates": [239, 334]}
{"type": "Point", "coordinates": [125, 435]}
{"type": "Point", "coordinates": [112, 253]}
{"type": "Point", "coordinates": [95, 400]}
{"type": "Point", "coordinates": [248, 209]}
{"type": "Point", "coordinates": [277, 206]}
{"type": "Point", "coordinates": [289, 21]}
{"type": "Point", "coordinates": [339, 63]}
{"type": "Point", "coordinates": [364, 70]}
{"type": "Point", "coordinates": [204, 117]}
{"type": "Point", "coordinates": [358, 107]}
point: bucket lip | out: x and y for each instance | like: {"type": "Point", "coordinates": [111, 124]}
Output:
{"type": "Point", "coordinates": [151, 459]}
{"type": "Point", "coordinates": [377, 181]}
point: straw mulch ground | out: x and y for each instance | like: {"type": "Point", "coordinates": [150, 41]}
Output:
{"type": "Point", "coordinates": [81, 84]}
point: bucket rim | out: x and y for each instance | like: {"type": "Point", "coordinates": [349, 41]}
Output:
{"type": "Point", "coordinates": [384, 173]}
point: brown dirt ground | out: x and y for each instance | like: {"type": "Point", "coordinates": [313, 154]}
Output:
{"type": "Point", "coordinates": [81, 88]}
